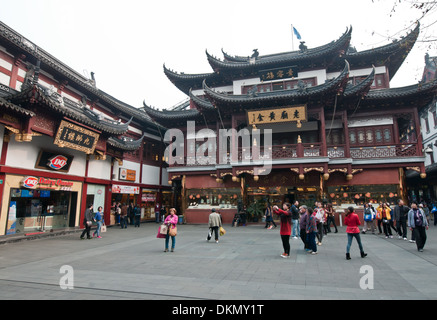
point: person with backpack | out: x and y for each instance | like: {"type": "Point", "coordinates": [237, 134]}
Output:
{"type": "Point", "coordinates": [418, 224]}
{"type": "Point", "coordinates": [368, 219]}
{"type": "Point", "coordinates": [269, 217]}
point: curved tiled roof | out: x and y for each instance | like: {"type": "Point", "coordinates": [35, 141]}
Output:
{"type": "Point", "coordinates": [165, 115]}
{"type": "Point", "coordinates": [332, 50]}
{"type": "Point", "coordinates": [362, 88]}
{"type": "Point", "coordinates": [125, 144]}
{"type": "Point", "coordinates": [185, 82]}
{"type": "Point", "coordinates": [9, 105]}
{"type": "Point", "coordinates": [425, 90]}
{"type": "Point", "coordinates": [391, 55]}
{"type": "Point", "coordinates": [281, 96]}
{"type": "Point", "coordinates": [75, 79]}
{"type": "Point", "coordinates": [37, 94]}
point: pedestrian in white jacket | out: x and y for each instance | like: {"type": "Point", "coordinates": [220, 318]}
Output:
{"type": "Point", "coordinates": [214, 223]}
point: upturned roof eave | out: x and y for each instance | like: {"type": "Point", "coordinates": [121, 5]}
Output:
{"type": "Point", "coordinates": [336, 84]}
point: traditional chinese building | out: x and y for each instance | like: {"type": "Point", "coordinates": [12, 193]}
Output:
{"type": "Point", "coordinates": [425, 190]}
{"type": "Point", "coordinates": [339, 132]}
{"type": "Point", "coordinates": [66, 144]}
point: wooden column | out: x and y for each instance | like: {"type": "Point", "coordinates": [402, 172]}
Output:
{"type": "Point", "coordinates": [396, 130]}
{"type": "Point", "coordinates": [419, 144]}
{"type": "Point", "coordinates": [347, 151]}
{"type": "Point", "coordinates": [234, 141]}
{"type": "Point", "coordinates": [323, 132]}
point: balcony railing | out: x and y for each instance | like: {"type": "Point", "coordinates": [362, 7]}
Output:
{"type": "Point", "coordinates": [308, 150]}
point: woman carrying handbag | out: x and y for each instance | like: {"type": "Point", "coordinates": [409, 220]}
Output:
{"type": "Point", "coordinates": [171, 221]}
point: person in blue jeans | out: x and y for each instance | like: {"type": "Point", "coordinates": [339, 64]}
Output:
{"type": "Point", "coordinates": [98, 218]}
{"type": "Point", "coordinates": [295, 220]}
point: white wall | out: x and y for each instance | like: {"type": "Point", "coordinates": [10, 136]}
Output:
{"type": "Point", "coordinates": [24, 154]}
{"type": "Point", "coordinates": [150, 174]}
{"type": "Point", "coordinates": [126, 165]}
{"type": "Point", "coordinates": [100, 169]}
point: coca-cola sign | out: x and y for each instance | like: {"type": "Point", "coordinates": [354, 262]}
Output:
{"type": "Point", "coordinates": [54, 161]}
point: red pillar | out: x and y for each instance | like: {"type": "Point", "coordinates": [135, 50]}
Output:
{"type": "Point", "coordinates": [347, 151]}
{"type": "Point", "coordinates": [323, 132]}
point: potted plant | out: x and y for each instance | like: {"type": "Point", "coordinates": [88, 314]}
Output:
{"type": "Point", "coordinates": [255, 210]}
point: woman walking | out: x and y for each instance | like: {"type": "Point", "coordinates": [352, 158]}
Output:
{"type": "Point", "coordinates": [368, 219]}
{"type": "Point", "coordinates": [171, 221]}
{"type": "Point", "coordinates": [99, 220]}
{"type": "Point", "coordinates": [303, 226]}
{"type": "Point", "coordinates": [385, 217]}
{"type": "Point", "coordinates": [330, 218]}
{"type": "Point", "coordinates": [352, 222]}
{"type": "Point", "coordinates": [285, 229]}
{"type": "Point", "coordinates": [418, 223]}
{"type": "Point", "coordinates": [311, 231]}
{"type": "Point", "coordinates": [269, 217]}
{"type": "Point", "coordinates": [320, 217]}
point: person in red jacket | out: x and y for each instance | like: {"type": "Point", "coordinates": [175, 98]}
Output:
{"type": "Point", "coordinates": [352, 222]}
{"type": "Point", "coordinates": [285, 230]}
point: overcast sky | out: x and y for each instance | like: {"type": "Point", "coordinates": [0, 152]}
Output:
{"type": "Point", "coordinates": [126, 43]}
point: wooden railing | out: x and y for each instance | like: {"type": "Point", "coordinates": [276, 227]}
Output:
{"type": "Point", "coordinates": [307, 150]}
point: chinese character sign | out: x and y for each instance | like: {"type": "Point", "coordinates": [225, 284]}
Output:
{"type": "Point", "coordinates": [286, 114]}
{"type": "Point", "coordinates": [275, 74]}
{"type": "Point", "coordinates": [75, 137]}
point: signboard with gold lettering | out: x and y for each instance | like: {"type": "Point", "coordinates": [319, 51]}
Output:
{"type": "Point", "coordinates": [75, 137]}
{"type": "Point", "coordinates": [278, 73]}
{"type": "Point", "coordinates": [280, 115]}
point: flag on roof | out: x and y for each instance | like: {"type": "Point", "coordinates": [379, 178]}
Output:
{"type": "Point", "coordinates": [296, 32]}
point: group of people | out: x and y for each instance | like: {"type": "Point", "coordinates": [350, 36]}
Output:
{"type": "Point", "coordinates": [400, 218]}
{"type": "Point", "coordinates": [88, 220]}
{"type": "Point", "coordinates": [127, 214]}
{"type": "Point", "coordinates": [310, 224]}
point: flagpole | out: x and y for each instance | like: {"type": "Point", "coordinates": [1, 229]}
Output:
{"type": "Point", "coordinates": [292, 38]}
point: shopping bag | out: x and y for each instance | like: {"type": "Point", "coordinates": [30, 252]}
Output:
{"type": "Point", "coordinates": [163, 229]}
{"type": "Point", "coordinates": [173, 231]}
{"type": "Point", "coordinates": [103, 228]}
{"type": "Point", "coordinates": [222, 231]}
{"type": "Point", "coordinates": [160, 235]}
{"type": "Point", "coordinates": [208, 237]}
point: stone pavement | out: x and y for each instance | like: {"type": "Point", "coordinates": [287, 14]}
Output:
{"type": "Point", "coordinates": [245, 265]}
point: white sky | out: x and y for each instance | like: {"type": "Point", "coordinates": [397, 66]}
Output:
{"type": "Point", "coordinates": [125, 43]}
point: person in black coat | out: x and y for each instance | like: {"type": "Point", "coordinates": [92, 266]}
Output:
{"type": "Point", "coordinates": [87, 222]}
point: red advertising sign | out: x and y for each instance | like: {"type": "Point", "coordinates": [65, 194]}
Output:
{"type": "Point", "coordinates": [47, 183]}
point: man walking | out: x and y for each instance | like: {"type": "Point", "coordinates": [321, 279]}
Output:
{"type": "Point", "coordinates": [401, 217]}
{"type": "Point", "coordinates": [214, 223]}
{"type": "Point", "coordinates": [295, 219]}
{"type": "Point", "coordinates": [418, 223]}
{"type": "Point", "coordinates": [87, 221]}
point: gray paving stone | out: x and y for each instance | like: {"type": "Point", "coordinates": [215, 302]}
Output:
{"type": "Point", "coordinates": [245, 265]}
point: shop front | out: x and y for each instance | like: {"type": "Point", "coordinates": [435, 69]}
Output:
{"type": "Point", "coordinates": [38, 203]}
{"type": "Point", "coordinates": [149, 199]}
{"type": "Point", "coordinates": [125, 194]}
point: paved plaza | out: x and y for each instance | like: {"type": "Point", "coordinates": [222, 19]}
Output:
{"type": "Point", "coordinates": [245, 265]}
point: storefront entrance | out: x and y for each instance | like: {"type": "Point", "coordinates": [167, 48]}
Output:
{"type": "Point", "coordinates": [39, 204]}
{"type": "Point", "coordinates": [40, 210]}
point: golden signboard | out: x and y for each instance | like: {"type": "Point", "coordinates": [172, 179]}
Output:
{"type": "Point", "coordinates": [75, 137]}
{"type": "Point", "coordinates": [285, 114]}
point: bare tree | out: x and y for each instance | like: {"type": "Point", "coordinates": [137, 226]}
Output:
{"type": "Point", "coordinates": [423, 12]}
